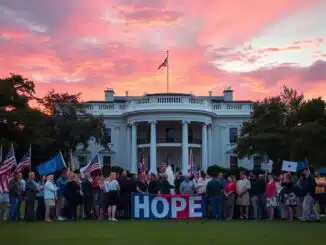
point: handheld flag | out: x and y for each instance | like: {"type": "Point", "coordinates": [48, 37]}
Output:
{"type": "Point", "coordinates": [25, 162]}
{"type": "Point", "coordinates": [51, 166]}
{"type": "Point", "coordinates": [9, 162]}
{"type": "Point", "coordinates": [92, 166]}
{"type": "Point", "coordinates": [288, 166]}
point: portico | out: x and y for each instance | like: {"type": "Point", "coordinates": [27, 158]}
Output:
{"type": "Point", "coordinates": [169, 137]}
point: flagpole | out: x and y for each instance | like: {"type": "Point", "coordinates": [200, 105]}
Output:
{"type": "Point", "coordinates": [30, 155]}
{"type": "Point", "coordinates": [167, 71]}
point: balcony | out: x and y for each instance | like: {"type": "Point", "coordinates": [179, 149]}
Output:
{"type": "Point", "coordinates": [143, 141]}
{"type": "Point", "coordinates": [172, 103]}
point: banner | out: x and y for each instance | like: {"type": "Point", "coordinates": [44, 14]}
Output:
{"type": "Point", "coordinates": [145, 206]}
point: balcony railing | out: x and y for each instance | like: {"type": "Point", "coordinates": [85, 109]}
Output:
{"type": "Point", "coordinates": [143, 141]}
{"type": "Point", "coordinates": [181, 103]}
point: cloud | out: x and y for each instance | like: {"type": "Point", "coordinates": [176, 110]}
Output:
{"type": "Point", "coordinates": [85, 46]}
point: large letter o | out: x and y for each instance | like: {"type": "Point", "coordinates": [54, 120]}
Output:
{"type": "Point", "coordinates": [165, 210]}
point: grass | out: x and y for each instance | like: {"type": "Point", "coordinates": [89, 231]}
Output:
{"type": "Point", "coordinates": [163, 232]}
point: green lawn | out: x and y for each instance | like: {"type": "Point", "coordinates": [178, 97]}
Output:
{"type": "Point", "coordinates": [164, 232]}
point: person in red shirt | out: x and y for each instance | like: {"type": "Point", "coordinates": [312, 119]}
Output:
{"type": "Point", "coordinates": [229, 194]}
{"type": "Point", "coordinates": [271, 202]}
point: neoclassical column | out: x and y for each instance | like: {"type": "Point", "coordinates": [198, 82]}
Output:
{"type": "Point", "coordinates": [209, 142]}
{"type": "Point", "coordinates": [128, 144]}
{"type": "Point", "coordinates": [185, 156]}
{"type": "Point", "coordinates": [133, 148]}
{"type": "Point", "coordinates": [204, 147]}
{"type": "Point", "coordinates": [153, 167]}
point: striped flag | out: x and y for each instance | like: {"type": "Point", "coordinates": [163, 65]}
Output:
{"type": "Point", "coordinates": [190, 164]}
{"type": "Point", "coordinates": [25, 162]}
{"type": "Point", "coordinates": [92, 166]}
{"type": "Point", "coordinates": [0, 154]}
{"type": "Point", "coordinates": [9, 162]}
{"type": "Point", "coordinates": [142, 163]}
{"type": "Point", "coordinates": [164, 64]}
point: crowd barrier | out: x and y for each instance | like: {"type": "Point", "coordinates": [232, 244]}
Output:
{"type": "Point", "coordinates": [146, 206]}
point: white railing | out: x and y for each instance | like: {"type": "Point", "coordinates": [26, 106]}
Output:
{"type": "Point", "coordinates": [157, 103]}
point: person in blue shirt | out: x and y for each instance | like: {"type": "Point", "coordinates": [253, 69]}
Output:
{"type": "Point", "coordinates": [61, 184]}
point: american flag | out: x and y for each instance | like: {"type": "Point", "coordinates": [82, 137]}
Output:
{"type": "Point", "coordinates": [164, 64]}
{"type": "Point", "coordinates": [92, 166]}
{"type": "Point", "coordinates": [25, 162]}
{"type": "Point", "coordinates": [9, 162]}
{"type": "Point", "coordinates": [142, 163]}
{"type": "Point", "coordinates": [5, 168]}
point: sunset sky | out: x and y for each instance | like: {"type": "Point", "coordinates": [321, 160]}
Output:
{"type": "Point", "coordinates": [254, 46]}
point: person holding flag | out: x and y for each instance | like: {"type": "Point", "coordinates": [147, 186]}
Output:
{"type": "Point", "coordinates": [4, 195]}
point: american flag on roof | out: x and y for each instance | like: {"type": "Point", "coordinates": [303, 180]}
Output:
{"type": "Point", "coordinates": [9, 162]}
{"type": "Point", "coordinates": [92, 166]}
{"type": "Point", "coordinates": [25, 162]}
{"type": "Point", "coordinates": [164, 64]}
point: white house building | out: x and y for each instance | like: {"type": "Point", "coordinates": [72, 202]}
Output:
{"type": "Point", "coordinates": [168, 128]}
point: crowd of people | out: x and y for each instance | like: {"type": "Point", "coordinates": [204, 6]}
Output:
{"type": "Point", "coordinates": [251, 196]}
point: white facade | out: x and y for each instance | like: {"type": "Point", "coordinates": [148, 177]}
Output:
{"type": "Point", "coordinates": [166, 127]}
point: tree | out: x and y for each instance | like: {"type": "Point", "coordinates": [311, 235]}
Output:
{"type": "Point", "coordinates": [285, 128]}
{"type": "Point", "coordinates": [71, 124]}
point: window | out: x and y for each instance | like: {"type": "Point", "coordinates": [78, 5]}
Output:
{"type": "Point", "coordinates": [82, 160]}
{"type": "Point", "coordinates": [107, 134]}
{"type": "Point", "coordinates": [190, 135]}
{"type": "Point", "coordinates": [106, 161]}
{"type": "Point", "coordinates": [233, 135]}
{"type": "Point", "coordinates": [233, 162]}
{"type": "Point", "coordinates": [170, 135]}
{"type": "Point", "coordinates": [257, 162]}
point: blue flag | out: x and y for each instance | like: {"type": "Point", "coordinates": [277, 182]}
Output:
{"type": "Point", "coordinates": [302, 165]}
{"type": "Point", "coordinates": [51, 166]}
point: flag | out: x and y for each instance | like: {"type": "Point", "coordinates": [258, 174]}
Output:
{"type": "Point", "coordinates": [9, 162]}
{"type": "Point", "coordinates": [25, 162]}
{"type": "Point", "coordinates": [51, 166]}
{"type": "Point", "coordinates": [4, 182]}
{"type": "Point", "coordinates": [142, 163]}
{"type": "Point", "coordinates": [267, 166]}
{"type": "Point", "coordinates": [92, 166]}
{"type": "Point", "coordinates": [164, 64]}
{"type": "Point", "coordinates": [0, 154]}
{"type": "Point", "coordinates": [190, 164]}
{"type": "Point", "coordinates": [72, 162]}
{"type": "Point", "coordinates": [302, 165]}
{"type": "Point", "coordinates": [289, 166]}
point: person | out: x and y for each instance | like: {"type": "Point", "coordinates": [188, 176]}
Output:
{"type": "Point", "coordinates": [321, 193]}
{"type": "Point", "coordinates": [309, 186]}
{"type": "Point", "coordinates": [271, 202]}
{"type": "Point", "coordinates": [178, 179]}
{"type": "Point", "coordinates": [14, 188]}
{"type": "Point", "coordinates": [254, 196]}
{"type": "Point", "coordinates": [153, 187]}
{"type": "Point", "coordinates": [40, 210]}
{"type": "Point", "coordinates": [165, 186]}
{"type": "Point", "coordinates": [112, 187]}
{"type": "Point", "coordinates": [202, 183]}
{"type": "Point", "coordinates": [243, 201]}
{"type": "Point", "coordinates": [229, 194]}
{"type": "Point", "coordinates": [214, 190]}
{"type": "Point", "coordinates": [61, 184]}
{"type": "Point", "coordinates": [288, 198]}
{"type": "Point", "coordinates": [141, 184]}
{"type": "Point", "coordinates": [21, 200]}
{"type": "Point", "coordinates": [73, 196]}
{"type": "Point", "coordinates": [300, 194]}
{"type": "Point", "coordinates": [30, 197]}
{"type": "Point", "coordinates": [50, 194]}
{"type": "Point", "coordinates": [4, 197]}
{"type": "Point", "coordinates": [187, 186]}
{"type": "Point", "coordinates": [96, 204]}
{"type": "Point", "coordinates": [86, 186]}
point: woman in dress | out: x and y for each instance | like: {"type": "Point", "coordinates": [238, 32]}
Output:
{"type": "Point", "coordinates": [289, 198]}
{"type": "Point", "coordinates": [112, 187]}
{"type": "Point", "coordinates": [271, 201]}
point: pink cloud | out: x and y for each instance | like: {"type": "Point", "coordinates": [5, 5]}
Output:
{"type": "Point", "coordinates": [88, 46]}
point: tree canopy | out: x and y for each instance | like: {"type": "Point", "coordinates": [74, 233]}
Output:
{"type": "Point", "coordinates": [60, 123]}
{"type": "Point", "coordinates": [286, 127]}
